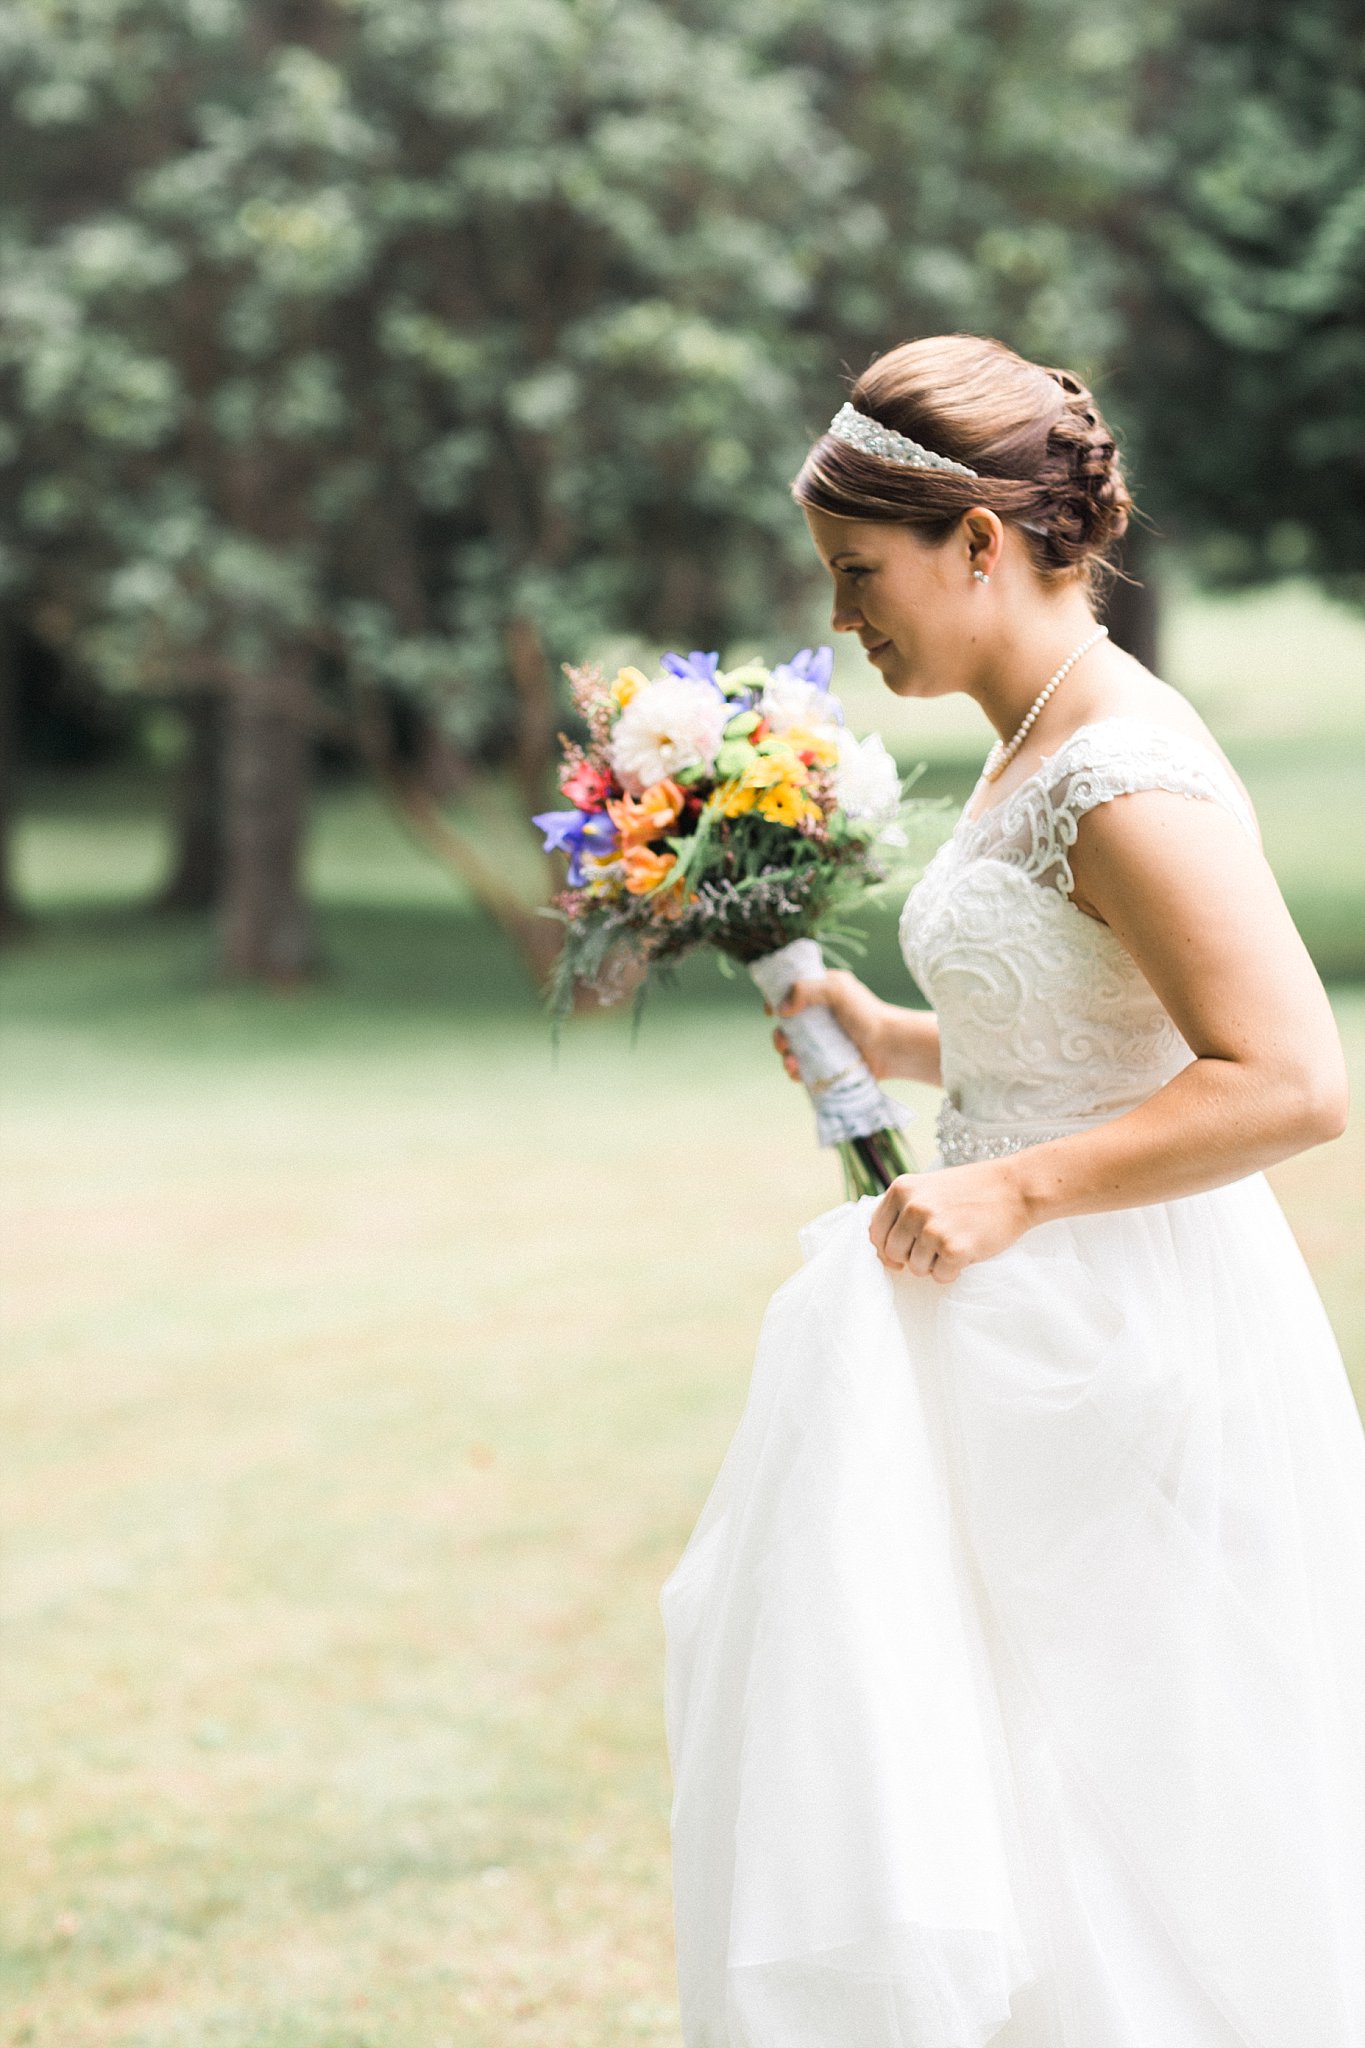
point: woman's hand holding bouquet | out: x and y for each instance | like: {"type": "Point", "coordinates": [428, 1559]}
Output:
{"type": "Point", "coordinates": [867, 1020]}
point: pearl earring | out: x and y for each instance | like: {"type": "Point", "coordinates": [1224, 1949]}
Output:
{"type": "Point", "coordinates": [981, 575]}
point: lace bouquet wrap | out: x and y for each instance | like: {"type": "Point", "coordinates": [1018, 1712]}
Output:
{"type": "Point", "coordinates": [732, 810]}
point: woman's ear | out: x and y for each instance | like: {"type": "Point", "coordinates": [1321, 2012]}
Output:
{"type": "Point", "coordinates": [984, 537]}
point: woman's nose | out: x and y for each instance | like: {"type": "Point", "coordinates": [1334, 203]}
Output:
{"type": "Point", "coordinates": [845, 618]}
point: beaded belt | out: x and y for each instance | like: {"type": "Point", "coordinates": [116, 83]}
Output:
{"type": "Point", "coordinates": [960, 1140]}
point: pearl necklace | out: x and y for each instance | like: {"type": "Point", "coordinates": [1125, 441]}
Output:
{"type": "Point", "coordinates": [1003, 752]}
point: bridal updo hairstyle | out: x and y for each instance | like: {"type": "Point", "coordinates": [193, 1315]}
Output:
{"type": "Point", "coordinates": [1045, 460]}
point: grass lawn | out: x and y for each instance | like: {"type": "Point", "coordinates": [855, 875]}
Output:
{"type": "Point", "coordinates": [366, 1370]}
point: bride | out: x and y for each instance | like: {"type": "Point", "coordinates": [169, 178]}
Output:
{"type": "Point", "coordinates": [1015, 1666]}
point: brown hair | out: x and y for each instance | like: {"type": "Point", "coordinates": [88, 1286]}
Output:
{"type": "Point", "coordinates": [1045, 460]}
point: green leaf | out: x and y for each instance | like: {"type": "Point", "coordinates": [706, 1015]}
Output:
{"type": "Point", "coordinates": [739, 728]}
{"type": "Point", "coordinates": [733, 758]}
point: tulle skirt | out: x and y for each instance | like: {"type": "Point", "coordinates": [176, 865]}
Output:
{"type": "Point", "coordinates": [1015, 1667]}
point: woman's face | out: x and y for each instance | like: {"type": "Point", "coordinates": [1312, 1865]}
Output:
{"type": "Point", "coordinates": [909, 603]}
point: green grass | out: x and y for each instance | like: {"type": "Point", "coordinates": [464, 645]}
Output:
{"type": "Point", "coordinates": [366, 1369]}
{"type": "Point", "coordinates": [363, 1385]}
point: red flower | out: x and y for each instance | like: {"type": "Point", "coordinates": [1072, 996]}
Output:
{"type": "Point", "coordinates": [587, 787]}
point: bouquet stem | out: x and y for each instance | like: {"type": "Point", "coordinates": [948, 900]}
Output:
{"type": "Point", "coordinates": [871, 1164]}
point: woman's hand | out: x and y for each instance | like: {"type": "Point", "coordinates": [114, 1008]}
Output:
{"type": "Point", "coordinates": [938, 1223]}
{"type": "Point", "coordinates": [863, 1015]}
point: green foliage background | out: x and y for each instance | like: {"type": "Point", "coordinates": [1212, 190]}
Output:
{"type": "Point", "coordinates": [382, 324]}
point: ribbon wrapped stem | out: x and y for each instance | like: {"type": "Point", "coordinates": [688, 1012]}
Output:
{"type": "Point", "coordinates": [851, 1112]}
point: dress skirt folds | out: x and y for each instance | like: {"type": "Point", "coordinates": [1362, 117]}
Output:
{"type": "Point", "coordinates": [1015, 1667]}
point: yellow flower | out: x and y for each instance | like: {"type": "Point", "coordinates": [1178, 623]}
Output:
{"type": "Point", "coordinates": [776, 762]}
{"type": "Point", "coordinates": [814, 744]}
{"type": "Point", "coordinates": [733, 799]}
{"type": "Point", "coordinates": [604, 873]}
{"type": "Point", "coordinates": [785, 804]}
{"type": "Point", "coordinates": [628, 681]}
{"type": "Point", "coordinates": [774, 783]}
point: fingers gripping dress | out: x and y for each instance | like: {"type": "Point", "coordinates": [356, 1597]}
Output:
{"type": "Point", "coordinates": [1015, 1667]}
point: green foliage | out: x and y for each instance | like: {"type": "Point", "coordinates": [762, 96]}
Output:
{"type": "Point", "coordinates": [382, 327]}
{"type": "Point", "coordinates": [378, 328]}
{"type": "Point", "coordinates": [992, 146]}
{"type": "Point", "coordinates": [1248, 287]}
{"type": "Point", "coordinates": [399, 328]}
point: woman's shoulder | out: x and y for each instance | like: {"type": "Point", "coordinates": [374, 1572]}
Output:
{"type": "Point", "coordinates": [1146, 735]}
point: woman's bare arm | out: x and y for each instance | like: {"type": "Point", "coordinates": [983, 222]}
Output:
{"type": "Point", "coordinates": [912, 1045]}
{"type": "Point", "coordinates": [1195, 904]}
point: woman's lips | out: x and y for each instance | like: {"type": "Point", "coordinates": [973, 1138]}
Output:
{"type": "Point", "coordinates": [880, 648]}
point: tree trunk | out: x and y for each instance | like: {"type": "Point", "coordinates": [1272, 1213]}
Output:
{"type": "Point", "coordinates": [267, 929]}
{"type": "Point", "coordinates": [1132, 611]}
{"type": "Point", "coordinates": [535, 715]}
{"type": "Point", "coordinates": [198, 859]}
{"type": "Point", "coordinates": [14, 920]}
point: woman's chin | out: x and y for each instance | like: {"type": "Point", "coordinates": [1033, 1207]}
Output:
{"type": "Point", "coordinates": [901, 678]}
{"type": "Point", "coordinates": [897, 674]}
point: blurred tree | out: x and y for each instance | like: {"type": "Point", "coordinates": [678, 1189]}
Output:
{"type": "Point", "coordinates": [13, 918]}
{"type": "Point", "coordinates": [996, 146]}
{"type": "Point", "coordinates": [150, 533]}
{"type": "Point", "coordinates": [993, 140]}
{"type": "Point", "coordinates": [1245, 290]}
{"type": "Point", "coordinates": [371, 354]}
{"type": "Point", "coordinates": [195, 879]}
{"type": "Point", "coordinates": [435, 341]}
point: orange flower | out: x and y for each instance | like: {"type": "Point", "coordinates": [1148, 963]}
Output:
{"type": "Point", "coordinates": [648, 816]}
{"type": "Point", "coordinates": [645, 870]}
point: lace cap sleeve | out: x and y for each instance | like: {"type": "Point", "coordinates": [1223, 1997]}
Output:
{"type": "Point", "coordinates": [1120, 756]}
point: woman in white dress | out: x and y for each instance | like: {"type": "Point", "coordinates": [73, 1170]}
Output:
{"type": "Point", "coordinates": [1015, 1667]}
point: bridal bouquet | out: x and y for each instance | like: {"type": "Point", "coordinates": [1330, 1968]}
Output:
{"type": "Point", "coordinates": [731, 809]}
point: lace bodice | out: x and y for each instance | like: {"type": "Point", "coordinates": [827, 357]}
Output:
{"type": "Point", "coordinates": [1044, 1018]}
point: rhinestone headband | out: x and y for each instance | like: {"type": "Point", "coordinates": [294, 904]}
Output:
{"type": "Point", "coordinates": [860, 431]}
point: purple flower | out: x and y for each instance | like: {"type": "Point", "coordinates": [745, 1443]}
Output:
{"type": "Point", "coordinates": [577, 833]}
{"type": "Point", "coordinates": [699, 667]}
{"type": "Point", "coordinates": [813, 665]}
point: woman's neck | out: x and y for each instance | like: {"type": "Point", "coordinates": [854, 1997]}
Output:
{"type": "Point", "coordinates": [1011, 675]}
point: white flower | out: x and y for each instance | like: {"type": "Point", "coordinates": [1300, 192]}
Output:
{"type": "Point", "coordinates": [789, 702]}
{"type": "Point", "coordinates": [670, 724]}
{"type": "Point", "coordinates": [867, 783]}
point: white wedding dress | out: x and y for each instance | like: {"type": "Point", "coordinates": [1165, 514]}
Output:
{"type": "Point", "coordinates": [1015, 1667]}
